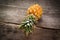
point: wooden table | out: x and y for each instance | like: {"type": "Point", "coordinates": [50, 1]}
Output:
{"type": "Point", "coordinates": [12, 12]}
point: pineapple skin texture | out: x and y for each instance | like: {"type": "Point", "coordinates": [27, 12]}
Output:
{"type": "Point", "coordinates": [36, 10]}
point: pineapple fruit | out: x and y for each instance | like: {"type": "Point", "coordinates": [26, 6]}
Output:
{"type": "Point", "coordinates": [36, 10]}
{"type": "Point", "coordinates": [34, 13]}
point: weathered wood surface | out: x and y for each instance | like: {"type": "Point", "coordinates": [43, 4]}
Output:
{"type": "Point", "coordinates": [12, 12]}
{"type": "Point", "coordinates": [15, 11]}
{"type": "Point", "coordinates": [10, 32]}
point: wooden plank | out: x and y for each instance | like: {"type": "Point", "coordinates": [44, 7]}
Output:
{"type": "Point", "coordinates": [42, 34]}
{"type": "Point", "coordinates": [17, 3]}
{"type": "Point", "coordinates": [11, 32]}
{"type": "Point", "coordinates": [11, 14]}
{"type": "Point", "coordinates": [14, 11]}
{"type": "Point", "coordinates": [47, 21]}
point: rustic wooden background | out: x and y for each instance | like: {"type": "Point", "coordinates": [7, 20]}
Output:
{"type": "Point", "coordinates": [12, 12]}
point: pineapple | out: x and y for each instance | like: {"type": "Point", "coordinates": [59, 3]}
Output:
{"type": "Point", "coordinates": [34, 13]}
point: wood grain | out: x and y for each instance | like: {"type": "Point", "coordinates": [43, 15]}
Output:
{"type": "Point", "coordinates": [12, 12]}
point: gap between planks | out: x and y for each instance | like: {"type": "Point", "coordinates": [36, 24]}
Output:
{"type": "Point", "coordinates": [17, 24]}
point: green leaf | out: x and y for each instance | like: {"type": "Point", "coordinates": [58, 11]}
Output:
{"type": "Point", "coordinates": [27, 24]}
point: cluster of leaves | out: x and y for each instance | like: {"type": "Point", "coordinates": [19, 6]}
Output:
{"type": "Point", "coordinates": [27, 24]}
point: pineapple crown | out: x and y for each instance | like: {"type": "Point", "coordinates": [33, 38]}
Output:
{"type": "Point", "coordinates": [28, 23]}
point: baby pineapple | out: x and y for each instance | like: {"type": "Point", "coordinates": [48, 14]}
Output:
{"type": "Point", "coordinates": [34, 13]}
{"type": "Point", "coordinates": [36, 10]}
